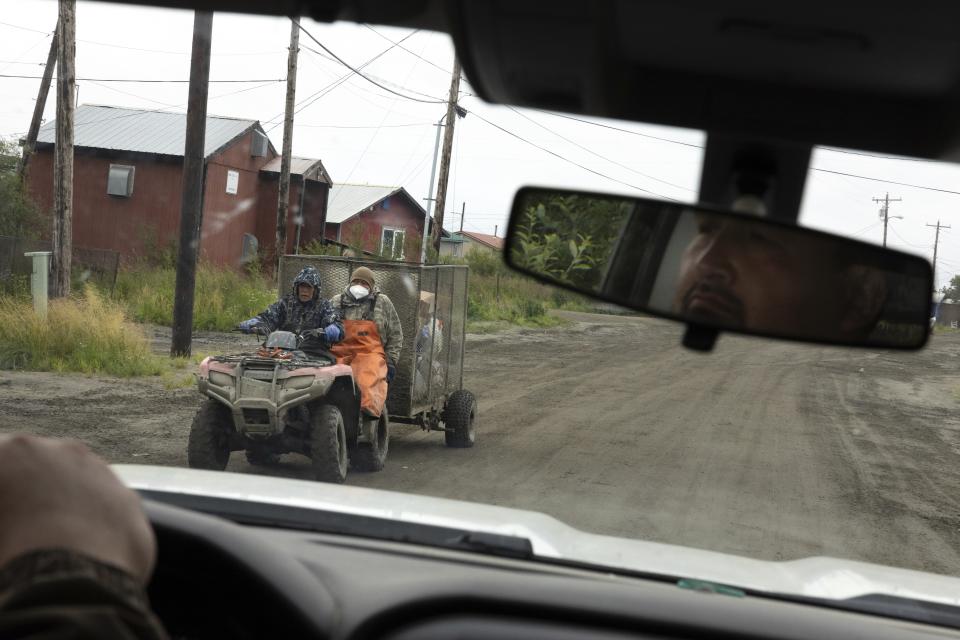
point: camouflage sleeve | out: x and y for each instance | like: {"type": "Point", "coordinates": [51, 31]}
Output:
{"type": "Point", "coordinates": [392, 330]}
{"type": "Point", "coordinates": [58, 593]}
{"type": "Point", "coordinates": [330, 314]}
{"type": "Point", "coordinates": [274, 315]}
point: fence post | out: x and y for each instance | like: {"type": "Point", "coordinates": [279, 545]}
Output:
{"type": "Point", "coordinates": [498, 287]}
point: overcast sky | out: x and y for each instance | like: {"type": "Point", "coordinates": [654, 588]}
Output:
{"type": "Point", "coordinates": [364, 134]}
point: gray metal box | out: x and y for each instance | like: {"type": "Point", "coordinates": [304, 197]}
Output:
{"type": "Point", "coordinates": [431, 361]}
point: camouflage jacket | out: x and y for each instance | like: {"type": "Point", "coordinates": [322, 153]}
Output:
{"type": "Point", "coordinates": [289, 314]}
{"type": "Point", "coordinates": [379, 308]}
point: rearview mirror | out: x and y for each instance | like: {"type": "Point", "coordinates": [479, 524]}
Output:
{"type": "Point", "coordinates": [722, 270]}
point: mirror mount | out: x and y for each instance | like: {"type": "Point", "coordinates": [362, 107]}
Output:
{"type": "Point", "coordinates": [697, 337]}
{"type": "Point", "coordinates": [773, 171]}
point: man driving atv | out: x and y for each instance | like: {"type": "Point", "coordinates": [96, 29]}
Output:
{"type": "Point", "coordinates": [303, 313]}
{"type": "Point", "coordinates": [372, 341]}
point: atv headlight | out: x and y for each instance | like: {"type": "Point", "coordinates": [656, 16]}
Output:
{"type": "Point", "coordinates": [298, 382]}
{"type": "Point", "coordinates": [220, 379]}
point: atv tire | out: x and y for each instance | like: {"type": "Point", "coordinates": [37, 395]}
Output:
{"type": "Point", "coordinates": [328, 444]}
{"type": "Point", "coordinates": [371, 456]}
{"type": "Point", "coordinates": [208, 446]}
{"type": "Point", "coordinates": [260, 458]}
{"type": "Point", "coordinates": [460, 419]}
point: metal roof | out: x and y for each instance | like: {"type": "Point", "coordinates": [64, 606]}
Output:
{"type": "Point", "coordinates": [494, 242]}
{"type": "Point", "coordinates": [347, 200]}
{"type": "Point", "coordinates": [312, 168]}
{"type": "Point", "coordinates": [143, 131]}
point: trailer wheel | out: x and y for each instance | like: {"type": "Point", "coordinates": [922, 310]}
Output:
{"type": "Point", "coordinates": [460, 419]}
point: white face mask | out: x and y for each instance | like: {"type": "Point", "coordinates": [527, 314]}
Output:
{"type": "Point", "coordinates": [359, 291]}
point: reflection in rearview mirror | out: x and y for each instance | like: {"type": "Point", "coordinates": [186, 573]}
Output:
{"type": "Point", "coordinates": [722, 270]}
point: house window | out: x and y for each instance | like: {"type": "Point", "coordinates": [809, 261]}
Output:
{"type": "Point", "coordinates": [233, 181]}
{"type": "Point", "coordinates": [391, 242]}
{"type": "Point", "coordinates": [120, 180]}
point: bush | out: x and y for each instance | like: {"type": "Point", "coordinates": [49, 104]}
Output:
{"type": "Point", "coordinates": [486, 263]}
{"type": "Point", "coordinates": [86, 334]}
{"type": "Point", "coordinates": [223, 297]}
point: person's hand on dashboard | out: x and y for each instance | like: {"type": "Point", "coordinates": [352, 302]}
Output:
{"type": "Point", "coordinates": [57, 494]}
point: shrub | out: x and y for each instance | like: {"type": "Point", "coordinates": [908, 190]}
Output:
{"type": "Point", "coordinates": [87, 334]}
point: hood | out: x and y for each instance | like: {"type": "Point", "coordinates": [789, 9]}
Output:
{"type": "Point", "coordinates": [815, 577]}
{"type": "Point", "coordinates": [307, 275]}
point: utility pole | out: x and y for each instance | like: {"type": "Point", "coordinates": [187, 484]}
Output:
{"type": "Point", "coordinates": [463, 214]}
{"type": "Point", "coordinates": [191, 204]}
{"type": "Point", "coordinates": [41, 104]}
{"type": "Point", "coordinates": [886, 200]}
{"type": "Point", "coordinates": [62, 236]}
{"type": "Point", "coordinates": [283, 203]}
{"type": "Point", "coordinates": [447, 148]}
{"type": "Point", "coordinates": [936, 243]}
{"type": "Point", "coordinates": [496, 228]}
{"type": "Point", "coordinates": [430, 199]}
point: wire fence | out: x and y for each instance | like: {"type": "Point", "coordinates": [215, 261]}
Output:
{"type": "Point", "coordinates": [99, 266]}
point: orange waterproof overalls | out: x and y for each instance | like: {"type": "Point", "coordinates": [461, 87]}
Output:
{"type": "Point", "coordinates": [362, 349]}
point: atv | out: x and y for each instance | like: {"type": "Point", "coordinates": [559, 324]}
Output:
{"type": "Point", "coordinates": [280, 399]}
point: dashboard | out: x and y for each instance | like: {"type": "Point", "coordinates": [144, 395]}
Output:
{"type": "Point", "coordinates": [216, 578]}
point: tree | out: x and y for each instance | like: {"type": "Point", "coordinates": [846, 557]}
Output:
{"type": "Point", "coordinates": [952, 291]}
{"type": "Point", "coordinates": [19, 217]}
{"type": "Point", "coordinates": [569, 238]}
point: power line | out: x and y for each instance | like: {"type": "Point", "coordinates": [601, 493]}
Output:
{"type": "Point", "coordinates": [876, 155]}
{"type": "Point", "coordinates": [568, 160]}
{"type": "Point", "coordinates": [910, 244]}
{"type": "Point", "coordinates": [347, 65]}
{"type": "Point", "coordinates": [633, 133]}
{"type": "Point", "coordinates": [314, 97]}
{"type": "Point", "coordinates": [900, 184]}
{"type": "Point", "coordinates": [147, 80]}
{"type": "Point", "coordinates": [349, 126]}
{"type": "Point", "coordinates": [120, 46]}
{"type": "Point", "coordinates": [593, 153]}
{"type": "Point", "coordinates": [416, 55]}
{"type": "Point", "coordinates": [818, 169]}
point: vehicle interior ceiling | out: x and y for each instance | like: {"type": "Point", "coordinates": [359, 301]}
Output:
{"type": "Point", "coordinates": [766, 81]}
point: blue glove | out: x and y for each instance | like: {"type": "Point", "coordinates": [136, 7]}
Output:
{"type": "Point", "coordinates": [391, 371]}
{"type": "Point", "coordinates": [249, 326]}
{"type": "Point", "coordinates": [332, 333]}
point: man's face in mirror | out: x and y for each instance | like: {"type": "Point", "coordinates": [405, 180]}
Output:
{"type": "Point", "coordinates": [741, 274]}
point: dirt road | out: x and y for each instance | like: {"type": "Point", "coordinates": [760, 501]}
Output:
{"type": "Point", "coordinates": [764, 449]}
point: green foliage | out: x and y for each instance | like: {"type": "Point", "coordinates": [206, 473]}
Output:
{"type": "Point", "coordinates": [86, 334]}
{"type": "Point", "coordinates": [486, 263]}
{"type": "Point", "coordinates": [952, 291]}
{"type": "Point", "coordinates": [512, 299]}
{"type": "Point", "coordinates": [223, 296]}
{"type": "Point", "coordinates": [16, 286]}
{"type": "Point", "coordinates": [19, 216]}
{"type": "Point", "coordinates": [318, 248]}
{"type": "Point", "coordinates": [569, 238]}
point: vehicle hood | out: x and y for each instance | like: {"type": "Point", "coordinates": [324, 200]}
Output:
{"type": "Point", "coordinates": [815, 577]}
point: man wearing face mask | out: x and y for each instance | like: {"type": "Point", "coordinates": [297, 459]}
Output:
{"type": "Point", "coordinates": [372, 340]}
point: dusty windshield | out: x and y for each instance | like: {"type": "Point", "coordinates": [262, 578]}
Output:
{"type": "Point", "coordinates": [496, 389]}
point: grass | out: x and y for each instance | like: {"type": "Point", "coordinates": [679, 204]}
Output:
{"type": "Point", "coordinates": [86, 334]}
{"type": "Point", "coordinates": [223, 297]}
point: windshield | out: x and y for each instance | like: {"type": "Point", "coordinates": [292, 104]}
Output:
{"type": "Point", "coordinates": [491, 387]}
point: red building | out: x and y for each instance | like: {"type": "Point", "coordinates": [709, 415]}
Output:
{"type": "Point", "coordinates": [128, 166]}
{"type": "Point", "coordinates": [385, 220]}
